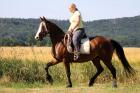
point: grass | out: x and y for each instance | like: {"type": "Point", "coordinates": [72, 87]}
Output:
{"type": "Point", "coordinates": [40, 54]}
{"type": "Point", "coordinates": [98, 88]}
{"type": "Point", "coordinates": [15, 71]}
{"type": "Point", "coordinates": [22, 68]}
{"type": "Point", "coordinates": [43, 54]}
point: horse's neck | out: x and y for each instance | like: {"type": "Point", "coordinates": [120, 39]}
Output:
{"type": "Point", "coordinates": [56, 38]}
{"type": "Point", "coordinates": [56, 35]}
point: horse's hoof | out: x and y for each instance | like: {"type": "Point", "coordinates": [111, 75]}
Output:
{"type": "Point", "coordinates": [49, 79]}
{"type": "Point", "coordinates": [90, 85]}
{"type": "Point", "coordinates": [69, 86]}
{"type": "Point", "coordinates": [115, 86]}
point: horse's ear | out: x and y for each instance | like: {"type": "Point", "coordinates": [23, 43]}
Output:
{"type": "Point", "coordinates": [42, 19]}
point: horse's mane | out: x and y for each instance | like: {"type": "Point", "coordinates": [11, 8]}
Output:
{"type": "Point", "coordinates": [56, 28]}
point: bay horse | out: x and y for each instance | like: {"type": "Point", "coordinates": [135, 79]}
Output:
{"type": "Point", "coordinates": [101, 49]}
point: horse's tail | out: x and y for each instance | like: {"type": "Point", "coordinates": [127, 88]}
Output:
{"type": "Point", "coordinates": [120, 53]}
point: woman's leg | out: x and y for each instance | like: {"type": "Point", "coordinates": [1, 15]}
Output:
{"type": "Point", "coordinates": [77, 35]}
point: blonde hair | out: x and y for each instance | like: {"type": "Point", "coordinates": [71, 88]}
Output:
{"type": "Point", "coordinates": [73, 6]}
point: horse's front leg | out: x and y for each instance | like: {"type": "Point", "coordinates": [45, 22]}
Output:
{"type": "Point", "coordinates": [51, 63]}
{"type": "Point", "coordinates": [67, 67]}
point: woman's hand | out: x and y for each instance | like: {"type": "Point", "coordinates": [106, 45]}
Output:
{"type": "Point", "coordinates": [69, 32]}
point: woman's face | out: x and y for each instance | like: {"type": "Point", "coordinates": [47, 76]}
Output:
{"type": "Point", "coordinates": [72, 8]}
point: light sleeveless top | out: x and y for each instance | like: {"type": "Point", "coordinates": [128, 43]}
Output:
{"type": "Point", "coordinates": [73, 20]}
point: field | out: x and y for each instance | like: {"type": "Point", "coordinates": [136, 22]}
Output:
{"type": "Point", "coordinates": [22, 70]}
{"type": "Point", "coordinates": [27, 53]}
{"type": "Point", "coordinates": [44, 53]}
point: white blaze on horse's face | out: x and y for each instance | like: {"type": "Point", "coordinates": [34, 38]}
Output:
{"type": "Point", "coordinates": [42, 28]}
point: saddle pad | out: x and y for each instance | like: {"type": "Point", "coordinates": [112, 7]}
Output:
{"type": "Point", "coordinates": [85, 46]}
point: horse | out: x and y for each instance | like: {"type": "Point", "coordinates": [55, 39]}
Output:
{"type": "Point", "coordinates": [101, 48]}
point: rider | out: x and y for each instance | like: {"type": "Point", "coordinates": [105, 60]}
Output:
{"type": "Point", "coordinates": [76, 28]}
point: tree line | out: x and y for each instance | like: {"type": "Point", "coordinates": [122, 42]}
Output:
{"type": "Point", "coordinates": [21, 32]}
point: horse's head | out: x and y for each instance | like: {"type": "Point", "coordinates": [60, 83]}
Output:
{"type": "Point", "coordinates": [47, 27]}
{"type": "Point", "coordinates": [42, 30]}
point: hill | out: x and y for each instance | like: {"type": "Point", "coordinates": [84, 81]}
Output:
{"type": "Point", "coordinates": [21, 32]}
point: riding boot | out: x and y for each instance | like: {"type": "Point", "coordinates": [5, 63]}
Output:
{"type": "Point", "coordinates": [76, 55]}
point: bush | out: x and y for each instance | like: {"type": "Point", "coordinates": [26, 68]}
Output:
{"type": "Point", "coordinates": [31, 72]}
{"type": "Point", "coordinates": [20, 71]}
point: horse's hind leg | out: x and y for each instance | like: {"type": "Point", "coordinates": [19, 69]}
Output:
{"type": "Point", "coordinates": [112, 70]}
{"type": "Point", "coordinates": [51, 63]}
{"type": "Point", "coordinates": [97, 64]}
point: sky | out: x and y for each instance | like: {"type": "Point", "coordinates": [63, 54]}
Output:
{"type": "Point", "coordinates": [58, 9]}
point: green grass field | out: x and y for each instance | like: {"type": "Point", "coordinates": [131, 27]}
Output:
{"type": "Point", "coordinates": [20, 73]}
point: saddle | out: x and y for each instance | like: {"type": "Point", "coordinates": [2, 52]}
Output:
{"type": "Point", "coordinates": [84, 44]}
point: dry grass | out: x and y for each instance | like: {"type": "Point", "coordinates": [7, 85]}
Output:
{"type": "Point", "coordinates": [44, 53]}
{"type": "Point", "coordinates": [132, 54]}
{"type": "Point", "coordinates": [26, 53]}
